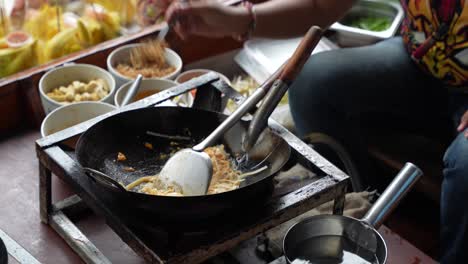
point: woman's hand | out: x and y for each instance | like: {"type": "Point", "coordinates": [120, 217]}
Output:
{"type": "Point", "coordinates": [463, 124]}
{"type": "Point", "coordinates": [207, 18]}
{"type": "Point", "coordinates": [149, 11]}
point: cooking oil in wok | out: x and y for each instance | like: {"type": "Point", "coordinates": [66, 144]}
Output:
{"type": "Point", "coordinates": [331, 250]}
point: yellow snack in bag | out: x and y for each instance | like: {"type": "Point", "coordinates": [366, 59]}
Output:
{"type": "Point", "coordinates": [125, 9]}
{"type": "Point", "coordinates": [13, 60]}
{"type": "Point", "coordinates": [65, 42]}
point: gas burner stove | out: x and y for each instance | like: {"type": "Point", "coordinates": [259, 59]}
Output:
{"type": "Point", "coordinates": [165, 242]}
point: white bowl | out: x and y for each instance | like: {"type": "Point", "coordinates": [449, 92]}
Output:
{"type": "Point", "coordinates": [156, 85]}
{"type": "Point", "coordinates": [190, 74]}
{"type": "Point", "coordinates": [122, 55]}
{"type": "Point", "coordinates": [65, 75]}
{"type": "Point", "coordinates": [72, 114]}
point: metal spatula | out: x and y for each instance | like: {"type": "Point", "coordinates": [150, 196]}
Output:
{"type": "Point", "coordinates": [191, 169]}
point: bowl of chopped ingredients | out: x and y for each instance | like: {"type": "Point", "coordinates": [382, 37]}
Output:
{"type": "Point", "coordinates": [153, 60]}
{"type": "Point", "coordinates": [149, 87]}
{"type": "Point", "coordinates": [369, 21]}
{"type": "Point", "coordinates": [75, 83]}
{"type": "Point", "coordinates": [72, 114]}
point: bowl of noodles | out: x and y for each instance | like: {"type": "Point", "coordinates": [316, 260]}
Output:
{"type": "Point", "coordinates": [165, 64]}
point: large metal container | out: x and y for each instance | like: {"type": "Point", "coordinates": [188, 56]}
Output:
{"type": "Point", "coordinates": [353, 36]}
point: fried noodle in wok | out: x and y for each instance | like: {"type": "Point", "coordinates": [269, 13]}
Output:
{"type": "Point", "coordinates": [225, 177]}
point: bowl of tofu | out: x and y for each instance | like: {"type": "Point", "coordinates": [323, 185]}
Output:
{"type": "Point", "coordinates": [75, 83]}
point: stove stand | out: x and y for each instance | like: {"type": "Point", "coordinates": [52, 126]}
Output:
{"type": "Point", "coordinates": [55, 157]}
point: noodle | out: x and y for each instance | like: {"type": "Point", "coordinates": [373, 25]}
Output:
{"type": "Point", "coordinates": [225, 177]}
{"type": "Point", "coordinates": [148, 60]}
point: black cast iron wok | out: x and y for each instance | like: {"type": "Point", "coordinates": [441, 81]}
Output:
{"type": "Point", "coordinates": [126, 132]}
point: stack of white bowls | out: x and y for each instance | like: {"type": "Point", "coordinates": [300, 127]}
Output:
{"type": "Point", "coordinates": [61, 116]}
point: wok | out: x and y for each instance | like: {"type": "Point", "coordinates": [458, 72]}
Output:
{"type": "Point", "coordinates": [126, 132]}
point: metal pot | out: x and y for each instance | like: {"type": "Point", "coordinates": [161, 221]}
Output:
{"type": "Point", "coordinates": [341, 239]}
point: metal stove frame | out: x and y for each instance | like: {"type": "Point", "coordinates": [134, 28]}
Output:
{"type": "Point", "coordinates": [212, 93]}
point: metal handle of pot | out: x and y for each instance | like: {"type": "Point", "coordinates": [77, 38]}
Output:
{"type": "Point", "coordinates": [292, 68]}
{"type": "Point", "coordinates": [103, 179]}
{"type": "Point", "coordinates": [390, 198]}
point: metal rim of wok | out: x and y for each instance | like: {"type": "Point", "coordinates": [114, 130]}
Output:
{"type": "Point", "coordinates": [96, 142]}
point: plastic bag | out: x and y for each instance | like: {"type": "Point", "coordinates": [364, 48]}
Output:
{"type": "Point", "coordinates": [125, 9]}
{"type": "Point", "coordinates": [13, 60]}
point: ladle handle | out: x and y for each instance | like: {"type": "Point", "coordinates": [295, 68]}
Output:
{"type": "Point", "coordinates": [391, 197]}
{"type": "Point", "coordinates": [104, 179]}
{"type": "Point", "coordinates": [132, 91]}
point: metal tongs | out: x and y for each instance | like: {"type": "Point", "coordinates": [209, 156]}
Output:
{"type": "Point", "coordinates": [191, 168]}
{"type": "Point", "coordinates": [281, 79]}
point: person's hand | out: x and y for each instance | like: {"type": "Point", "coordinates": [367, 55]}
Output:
{"type": "Point", "coordinates": [149, 11]}
{"type": "Point", "coordinates": [463, 124]}
{"type": "Point", "coordinates": [207, 18]}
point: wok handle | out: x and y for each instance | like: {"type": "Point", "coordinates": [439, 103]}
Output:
{"type": "Point", "coordinates": [392, 196]}
{"type": "Point", "coordinates": [292, 68]}
{"type": "Point", "coordinates": [104, 179]}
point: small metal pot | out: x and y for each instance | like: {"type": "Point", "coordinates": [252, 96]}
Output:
{"type": "Point", "coordinates": [328, 238]}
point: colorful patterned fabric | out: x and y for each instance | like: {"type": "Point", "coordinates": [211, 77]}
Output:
{"type": "Point", "coordinates": [436, 34]}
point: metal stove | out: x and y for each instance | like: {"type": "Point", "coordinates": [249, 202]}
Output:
{"type": "Point", "coordinates": [166, 244]}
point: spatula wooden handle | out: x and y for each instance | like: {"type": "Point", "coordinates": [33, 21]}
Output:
{"type": "Point", "coordinates": [301, 54]}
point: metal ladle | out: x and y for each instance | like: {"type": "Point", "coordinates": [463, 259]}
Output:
{"type": "Point", "coordinates": [191, 169]}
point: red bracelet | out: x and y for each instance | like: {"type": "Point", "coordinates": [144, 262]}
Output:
{"type": "Point", "coordinates": [252, 24]}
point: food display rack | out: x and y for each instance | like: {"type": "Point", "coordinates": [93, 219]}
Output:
{"type": "Point", "coordinates": [20, 102]}
{"type": "Point", "coordinates": [168, 244]}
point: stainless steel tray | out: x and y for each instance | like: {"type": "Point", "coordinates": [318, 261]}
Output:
{"type": "Point", "coordinates": [352, 36]}
{"type": "Point", "coordinates": [262, 57]}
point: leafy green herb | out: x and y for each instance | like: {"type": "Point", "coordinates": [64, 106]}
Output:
{"type": "Point", "coordinates": [370, 23]}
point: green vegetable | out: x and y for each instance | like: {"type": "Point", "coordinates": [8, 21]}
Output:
{"type": "Point", "coordinates": [370, 23]}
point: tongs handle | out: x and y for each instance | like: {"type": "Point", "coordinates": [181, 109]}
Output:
{"type": "Point", "coordinates": [292, 68]}
{"type": "Point", "coordinates": [301, 54]}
